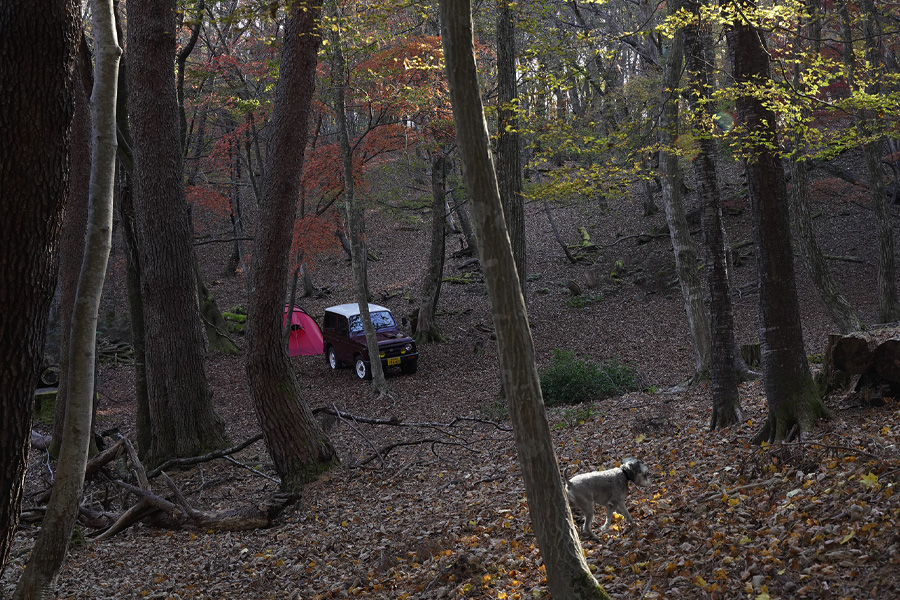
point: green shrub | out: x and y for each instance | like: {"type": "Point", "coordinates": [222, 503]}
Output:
{"type": "Point", "coordinates": [568, 380]}
{"type": "Point", "coordinates": [582, 300]}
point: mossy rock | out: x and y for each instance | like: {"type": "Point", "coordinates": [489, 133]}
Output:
{"type": "Point", "coordinates": [45, 405]}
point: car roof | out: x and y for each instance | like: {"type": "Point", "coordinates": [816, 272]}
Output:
{"type": "Point", "coordinates": [352, 308]}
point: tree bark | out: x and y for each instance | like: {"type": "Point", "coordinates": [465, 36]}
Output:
{"type": "Point", "coordinates": [724, 356]}
{"type": "Point", "coordinates": [509, 167]}
{"type": "Point", "coordinates": [183, 422]}
{"type": "Point", "coordinates": [839, 309]}
{"type": "Point", "coordinates": [299, 448]}
{"type": "Point", "coordinates": [132, 257]}
{"type": "Point", "coordinates": [567, 572]}
{"type": "Point", "coordinates": [842, 313]}
{"type": "Point", "coordinates": [426, 328]}
{"type": "Point", "coordinates": [873, 148]}
{"type": "Point", "coordinates": [869, 130]}
{"type": "Point", "coordinates": [790, 391]}
{"type": "Point", "coordinates": [71, 242]}
{"type": "Point", "coordinates": [679, 230]}
{"type": "Point", "coordinates": [38, 46]}
{"type": "Point", "coordinates": [56, 530]}
{"type": "Point", "coordinates": [356, 222]}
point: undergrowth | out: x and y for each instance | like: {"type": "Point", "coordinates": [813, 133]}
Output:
{"type": "Point", "coordinates": [567, 380]}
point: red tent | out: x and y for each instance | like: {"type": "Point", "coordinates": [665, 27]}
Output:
{"type": "Point", "coordinates": [306, 337]}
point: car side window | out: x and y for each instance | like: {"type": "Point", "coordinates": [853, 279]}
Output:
{"type": "Point", "coordinates": [329, 321]}
{"type": "Point", "coordinates": [356, 326]}
{"type": "Point", "coordinates": [342, 326]}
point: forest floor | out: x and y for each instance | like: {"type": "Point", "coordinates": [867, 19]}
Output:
{"type": "Point", "coordinates": [446, 516]}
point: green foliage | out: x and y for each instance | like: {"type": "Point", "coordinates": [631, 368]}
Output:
{"type": "Point", "coordinates": [568, 380]}
{"type": "Point", "coordinates": [235, 321]}
{"type": "Point", "coordinates": [583, 300]}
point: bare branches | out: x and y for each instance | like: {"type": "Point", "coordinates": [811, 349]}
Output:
{"type": "Point", "coordinates": [449, 434]}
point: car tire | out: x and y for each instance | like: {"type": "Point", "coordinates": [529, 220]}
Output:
{"type": "Point", "coordinates": [362, 370]}
{"type": "Point", "coordinates": [331, 358]}
{"type": "Point", "coordinates": [410, 368]}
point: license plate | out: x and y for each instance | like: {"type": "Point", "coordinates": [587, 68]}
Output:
{"type": "Point", "coordinates": [393, 362]}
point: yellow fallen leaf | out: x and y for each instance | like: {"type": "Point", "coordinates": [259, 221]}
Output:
{"type": "Point", "coordinates": [869, 479]}
{"type": "Point", "coordinates": [640, 438]}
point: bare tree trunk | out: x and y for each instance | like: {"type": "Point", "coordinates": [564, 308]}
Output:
{"type": "Point", "coordinates": [679, 230]}
{"type": "Point", "coordinates": [870, 131]}
{"type": "Point", "coordinates": [298, 446]}
{"type": "Point", "coordinates": [71, 243]}
{"type": "Point", "coordinates": [181, 411]}
{"type": "Point", "coordinates": [724, 356]}
{"type": "Point", "coordinates": [509, 167]}
{"type": "Point", "coordinates": [426, 328]}
{"type": "Point", "coordinates": [52, 542]}
{"type": "Point", "coordinates": [38, 46]}
{"type": "Point", "coordinates": [567, 572]}
{"type": "Point", "coordinates": [461, 208]}
{"type": "Point", "coordinates": [839, 309]}
{"type": "Point", "coordinates": [842, 313]}
{"type": "Point", "coordinates": [355, 220]}
{"type": "Point", "coordinates": [790, 390]}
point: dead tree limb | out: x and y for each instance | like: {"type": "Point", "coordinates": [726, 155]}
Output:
{"type": "Point", "coordinates": [394, 421]}
{"type": "Point", "coordinates": [193, 460]}
{"type": "Point", "coordinates": [556, 234]}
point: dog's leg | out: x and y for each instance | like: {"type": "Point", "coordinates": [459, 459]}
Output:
{"type": "Point", "coordinates": [609, 517]}
{"type": "Point", "coordinates": [624, 512]}
{"type": "Point", "coordinates": [588, 511]}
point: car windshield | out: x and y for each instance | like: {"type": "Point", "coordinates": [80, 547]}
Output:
{"type": "Point", "coordinates": [380, 320]}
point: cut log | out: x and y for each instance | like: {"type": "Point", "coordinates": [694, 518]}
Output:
{"type": "Point", "coordinates": [886, 359]}
{"type": "Point", "coordinates": [855, 353]}
{"type": "Point", "coordinates": [851, 353]}
{"type": "Point", "coordinates": [863, 362]}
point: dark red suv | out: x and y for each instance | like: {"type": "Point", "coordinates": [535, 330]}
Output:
{"type": "Point", "coordinates": [344, 340]}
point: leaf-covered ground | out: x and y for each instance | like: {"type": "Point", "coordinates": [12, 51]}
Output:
{"type": "Point", "coordinates": [445, 516]}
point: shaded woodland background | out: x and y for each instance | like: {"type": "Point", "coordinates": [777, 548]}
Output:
{"type": "Point", "coordinates": [427, 501]}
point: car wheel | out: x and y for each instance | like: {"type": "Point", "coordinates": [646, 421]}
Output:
{"type": "Point", "coordinates": [331, 357]}
{"type": "Point", "coordinates": [362, 370]}
{"type": "Point", "coordinates": [410, 368]}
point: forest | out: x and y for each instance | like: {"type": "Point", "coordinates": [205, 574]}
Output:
{"type": "Point", "coordinates": [616, 230]}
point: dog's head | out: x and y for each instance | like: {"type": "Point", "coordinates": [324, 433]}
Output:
{"type": "Point", "coordinates": [636, 471]}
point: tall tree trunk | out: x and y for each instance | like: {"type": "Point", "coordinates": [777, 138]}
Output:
{"type": "Point", "coordinates": [567, 572]}
{"type": "Point", "coordinates": [842, 313]}
{"type": "Point", "coordinates": [298, 446]}
{"type": "Point", "coordinates": [132, 257]}
{"type": "Point", "coordinates": [509, 167]}
{"type": "Point", "coordinates": [461, 208]}
{"type": "Point", "coordinates": [182, 417]}
{"type": "Point", "coordinates": [356, 223]}
{"type": "Point", "coordinates": [723, 370]}
{"type": "Point", "coordinates": [52, 542]}
{"type": "Point", "coordinates": [426, 328]}
{"type": "Point", "coordinates": [873, 132]}
{"type": "Point", "coordinates": [790, 391]}
{"type": "Point", "coordinates": [869, 130]}
{"type": "Point", "coordinates": [839, 309]}
{"type": "Point", "coordinates": [38, 46]}
{"type": "Point", "coordinates": [679, 230]}
{"type": "Point", "coordinates": [71, 244]}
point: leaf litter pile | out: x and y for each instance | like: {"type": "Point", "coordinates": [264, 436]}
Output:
{"type": "Point", "coordinates": [428, 501]}
{"type": "Point", "coordinates": [723, 518]}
